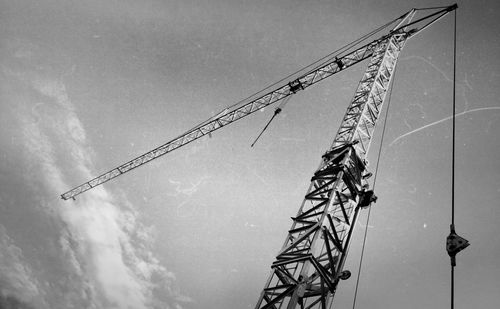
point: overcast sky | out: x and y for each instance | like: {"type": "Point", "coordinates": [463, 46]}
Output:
{"type": "Point", "coordinates": [88, 85]}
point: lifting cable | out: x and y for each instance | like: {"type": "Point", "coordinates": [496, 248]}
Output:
{"type": "Point", "coordinates": [373, 187]}
{"type": "Point", "coordinates": [432, 8]}
{"type": "Point", "coordinates": [276, 112]}
{"type": "Point", "coordinates": [454, 243]}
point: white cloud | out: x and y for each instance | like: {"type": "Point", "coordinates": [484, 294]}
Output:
{"type": "Point", "coordinates": [103, 241]}
{"type": "Point", "coordinates": [16, 277]}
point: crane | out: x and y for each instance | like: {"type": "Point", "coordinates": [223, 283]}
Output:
{"type": "Point", "coordinates": [310, 264]}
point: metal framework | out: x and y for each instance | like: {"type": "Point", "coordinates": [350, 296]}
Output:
{"type": "Point", "coordinates": [309, 266]}
{"type": "Point", "coordinates": [351, 57]}
{"type": "Point", "coordinates": [362, 114]}
{"type": "Point", "coordinates": [229, 116]}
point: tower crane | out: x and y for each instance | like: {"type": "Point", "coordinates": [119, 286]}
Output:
{"type": "Point", "coordinates": [310, 264]}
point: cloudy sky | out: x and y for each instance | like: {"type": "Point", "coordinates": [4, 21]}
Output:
{"type": "Point", "coordinates": [88, 85]}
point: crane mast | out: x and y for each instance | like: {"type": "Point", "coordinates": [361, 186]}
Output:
{"type": "Point", "coordinates": [309, 266]}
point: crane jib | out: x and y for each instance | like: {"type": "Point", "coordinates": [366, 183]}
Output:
{"type": "Point", "coordinates": [315, 75]}
{"type": "Point", "coordinates": [227, 117]}
{"type": "Point", "coordinates": [331, 67]}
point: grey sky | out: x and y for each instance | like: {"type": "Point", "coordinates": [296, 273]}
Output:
{"type": "Point", "coordinates": [87, 85]}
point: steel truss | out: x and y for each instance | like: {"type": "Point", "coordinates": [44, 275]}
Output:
{"type": "Point", "coordinates": [310, 264]}
{"type": "Point", "coordinates": [229, 116]}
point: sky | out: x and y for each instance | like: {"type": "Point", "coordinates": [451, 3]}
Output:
{"type": "Point", "coordinates": [88, 85]}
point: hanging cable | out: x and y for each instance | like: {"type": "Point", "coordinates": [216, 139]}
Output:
{"type": "Point", "coordinates": [452, 227]}
{"type": "Point", "coordinates": [373, 187]}
{"type": "Point", "coordinates": [453, 121]}
{"type": "Point", "coordinates": [454, 243]}
{"type": "Point", "coordinates": [276, 112]}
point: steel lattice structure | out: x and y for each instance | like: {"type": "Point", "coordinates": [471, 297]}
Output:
{"type": "Point", "coordinates": [309, 265]}
{"type": "Point", "coordinates": [229, 116]}
{"type": "Point", "coordinates": [328, 68]}
{"type": "Point", "coordinates": [363, 111]}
